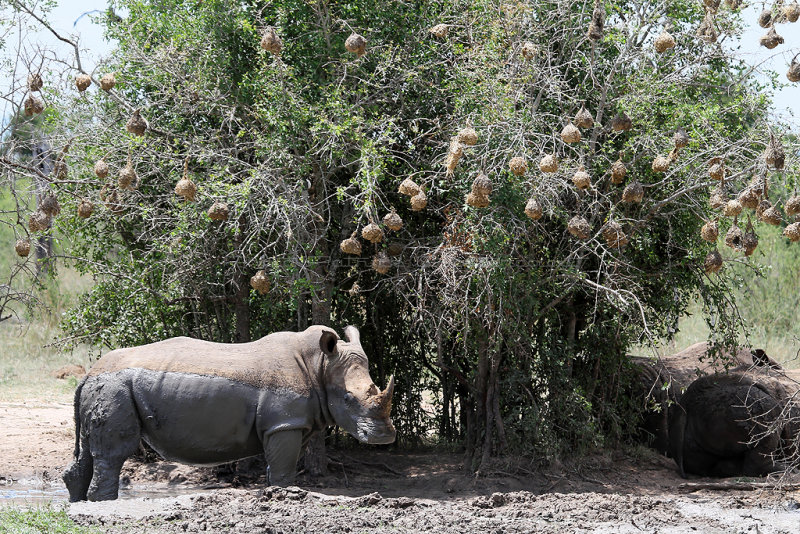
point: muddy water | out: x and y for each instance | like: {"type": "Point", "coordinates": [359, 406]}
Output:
{"type": "Point", "coordinates": [31, 491]}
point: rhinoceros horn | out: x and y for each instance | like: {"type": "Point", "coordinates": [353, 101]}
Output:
{"type": "Point", "coordinates": [386, 397]}
{"type": "Point", "coordinates": [351, 335]}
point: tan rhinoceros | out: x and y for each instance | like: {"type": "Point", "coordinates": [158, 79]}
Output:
{"type": "Point", "coordinates": [207, 403]}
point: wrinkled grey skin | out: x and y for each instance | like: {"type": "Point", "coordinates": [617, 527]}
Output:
{"type": "Point", "coordinates": [205, 403]}
{"type": "Point", "coordinates": [661, 383]}
{"type": "Point", "coordinates": [732, 424]}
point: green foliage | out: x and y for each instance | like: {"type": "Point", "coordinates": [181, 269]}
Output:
{"type": "Point", "coordinates": [513, 331]}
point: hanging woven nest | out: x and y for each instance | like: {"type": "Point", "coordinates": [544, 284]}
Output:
{"type": "Point", "coordinates": [82, 82]}
{"type": "Point", "coordinates": [710, 231]}
{"type": "Point", "coordinates": [771, 215]}
{"type": "Point", "coordinates": [419, 201]}
{"type": "Point", "coordinates": [408, 187]}
{"type": "Point", "coordinates": [468, 136]}
{"type": "Point", "coordinates": [127, 177]}
{"type": "Point", "coordinates": [186, 189]}
{"type": "Point", "coordinates": [792, 206]}
{"type": "Point", "coordinates": [733, 238]}
{"type": "Point", "coordinates": [664, 42]}
{"type": "Point", "coordinates": [621, 123]}
{"type": "Point", "coordinates": [717, 200]}
{"type": "Point", "coordinates": [793, 74]}
{"type": "Point", "coordinates": [792, 11]}
{"type": "Point", "coordinates": [749, 241]}
{"type": "Point", "coordinates": [733, 4]}
{"type": "Point", "coordinates": [681, 138]}
{"type": "Point", "coordinates": [454, 154]}
{"type": "Point", "coordinates": [101, 168]}
{"type": "Point", "coordinates": [38, 221]}
{"type": "Point", "coordinates": [774, 154]}
{"type": "Point", "coordinates": [733, 208]}
{"type": "Point", "coordinates": [219, 211]}
{"type": "Point", "coordinates": [33, 105]}
{"type": "Point", "coordinates": [439, 31]}
{"type": "Point", "coordinates": [136, 124]}
{"type": "Point", "coordinates": [571, 134]}
{"type": "Point", "coordinates": [581, 179]}
{"type": "Point", "coordinates": [716, 169]}
{"type": "Point", "coordinates": [356, 44]}
{"type": "Point", "coordinates": [481, 185]}
{"type": "Point", "coordinates": [372, 233]}
{"type": "Point", "coordinates": [49, 204]}
{"type": "Point", "coordinates": [711, 5]}
{"type": "Point", "coordinates": [518, 166]}
{"type": "Point", "coordinates": [476, 200]}
{"type": "Point", "coordinates": [579, 227]}
{"type": "Point", "coordinates": [765, 18]}
{"type": "Point", "coordinates": [381, 263]}
{"type": "Point", "coordinates": [549, 163]}
{"type": "Point", "coordinates": [792, 231]}
{"type": "Point", "coordinates": [529, 50]}
{"type": "Point", "coordinates": [706, 31]}
{"type": "Point", "coordinates": [114, 202]}
{"type": "Point", "coordinates": [713, 262]}
{"type": "Point", "coordinates": [660, 164]}
{"type": "Point", "coordinates": [260, 282]}
{"type": "Point", "coordinates": [633, 193]}
{"type": "Point", "coordinates": [750, 197]}
{"type": "Point", "coordinates": [583, 119]}
{"type": "Point", "coordinates": [595, 32]}
{"type": "Point", "coordinates": [351, 245]}
{"type": "Point", "coordinates": [392, 221]}
{"type": "Point", "coordinates": [614, 235]}
{"type": "Point", "coordinates": [85, 209]}
{"type": "Point", "coordinates": [271, 42]}
{"type": "Point", "coordinates": [394, 249]}
{"type": "Point", "coordinates": [533, 210]}
{"type": "Point", "coordinates": [35, 82]}
{"type": "Point", "coordinates": [22, 247]}
{"type": "Point", "coordinates": [108, 81]}
{"type": "Point", "coordinates": [771, 39]}
{"type": "Point", "coordinates": [618, 171]}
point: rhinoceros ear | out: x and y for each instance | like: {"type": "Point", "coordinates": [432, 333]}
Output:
{"type": "Point", "coordinates": [327, 342]}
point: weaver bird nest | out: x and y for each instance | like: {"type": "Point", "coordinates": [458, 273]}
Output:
{"type": "Point", "coordinates": [382, 263]}
{"type": "Point", "coordinates": [260, 282]}
{"type": "Point", "coordinates": [549, 163]}
{"type": "Point", "coordinates": [82, 82]}
{"type": "Point", "coordinates": [660, 164]}
{"type": "Point", "coordinates": [136, 124]}
{"type": "Point", "coordinates": [351, 245]}
{"type": "Point", "coordinates": [271, 42]}
{"type": "Point", "coordinates": [392, 221]}
{"type": "Point", "coordinates": [33, 105]}
{"type": "Point", "coordinates": [618, 171]}
{"type": "Point", "coordinates": [101, 168]}
{"type": "Point", "coordinates": [681, 138]}
{"type": "Point", "coordinates": [219, 211]}
{"type": "Point", "coordinates": [571, 134]}
{"type": "Point", "coordinates": [38, 221]}
{"type": "Point", "coordinates": [581, 179]}
{"type": "Point", "coordinates": [408, 187]}
{"type": "Point", "coordinates": [792, 231]}
{"type": "Point", "coordinates": [22, 247]}
{"type": "Point", "coordinates": [713, 262]}
{"type": "Point", "coordinates": [108, 81]}
{"type": "Point", "coordinates": [186, 189]}
{"type": "Point", "coordinates": [468, 136]}
{"type": "Point", "coordinates": [85, 209]}
{"type": "Point", "coordinates": [579, 227]}
{"type": "Point", "coordinates": [664, 42]}
{"type": "Point", "coordinates": [127, 178]}
{"type": "Point", "coordinates": [35, 82]}
{"type": "Point", "coordinates": [439, 31]}
{"type": "Point", "coordinates": [518, 166]}
{"type": "Point", "coordinates": [710, 231]}
{"type": "Point", "coordinates": [372, 233]}
{"type": "Point", "coordinates": [583, 119]}
{"type": "Point", "coordinates": [533, 209]}
{"type": "Point", "coordinates": [633, 193]}
{"type": "Point", "coordinates": [621, 123]}
{"type": "Point", "coordinates": [356, 44]}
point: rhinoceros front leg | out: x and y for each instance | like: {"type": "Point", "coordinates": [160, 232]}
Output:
{"type": "Point", "coordinates": [282, 449]}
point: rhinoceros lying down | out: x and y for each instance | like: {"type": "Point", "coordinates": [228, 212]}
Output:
{"type": "Point", "coordinates": [207, 403]}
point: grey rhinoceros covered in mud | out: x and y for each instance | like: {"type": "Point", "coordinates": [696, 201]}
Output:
{"type": "Point", "coordinates": [207, 403]}
{"type": "Point", "coordinates": [745, 422]}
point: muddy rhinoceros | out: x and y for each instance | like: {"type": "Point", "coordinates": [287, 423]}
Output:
{"type": "Point", "coordinates": [207, 403]}
{"type": "Point", "coordinates": [741, 423]}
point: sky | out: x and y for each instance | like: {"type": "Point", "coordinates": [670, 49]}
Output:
{"type": "Point", "coordinates": [67, 17]}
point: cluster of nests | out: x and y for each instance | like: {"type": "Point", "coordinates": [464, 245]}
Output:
{"type": "Point", "coordinates": [707, 30]}
{"type": "Point", "coordinates": [753, 197]}
{"type": "Point", "coordinates": [34, 105]}
{"type": "Point", "coordinates": [373, 232]}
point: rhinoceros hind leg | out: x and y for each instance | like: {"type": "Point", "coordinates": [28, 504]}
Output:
{"type": "Point", "coordinates": [112, 439]}
{"type": "Point", "coordinates": [78, 476]}
{"type": "Point", "coordinates": [282, 449]}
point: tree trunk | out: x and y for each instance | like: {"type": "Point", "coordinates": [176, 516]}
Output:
{"type": "Point", "coordinates": [242, 310]}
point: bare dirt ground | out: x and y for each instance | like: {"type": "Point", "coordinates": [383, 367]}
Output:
{"type": "Point", "coordinates": [375, 490]}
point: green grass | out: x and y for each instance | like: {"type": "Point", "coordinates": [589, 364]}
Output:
{"type": "Point", "coordinates": [769, 304]}
{"type": "Point", "coordinates": [44, 519]}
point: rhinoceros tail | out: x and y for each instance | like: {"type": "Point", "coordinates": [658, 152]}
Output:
{"type": "Point", "coordinates": [77, 406]}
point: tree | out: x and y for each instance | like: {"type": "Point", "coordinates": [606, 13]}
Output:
{"type": "Point", "coordinates": [269, 158]}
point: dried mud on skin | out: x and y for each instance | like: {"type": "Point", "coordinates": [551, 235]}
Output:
{"type": "Point", "coordinates": [293, 510]}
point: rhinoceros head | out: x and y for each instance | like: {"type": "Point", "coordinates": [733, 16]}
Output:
{"type": "Point", "coordinates": [354, 401]}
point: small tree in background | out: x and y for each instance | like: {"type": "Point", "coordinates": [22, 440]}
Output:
{"type": "Point", "coordinates": [503, 196]}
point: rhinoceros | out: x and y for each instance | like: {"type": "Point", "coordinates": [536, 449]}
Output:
{"type": "Point", "coordinates": [205, 403]}
{"type": "Point", "coordinates": [741, 423]}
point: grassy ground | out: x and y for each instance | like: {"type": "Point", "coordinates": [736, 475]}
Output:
{"type": "Point", "coordinates": [45, 519]}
